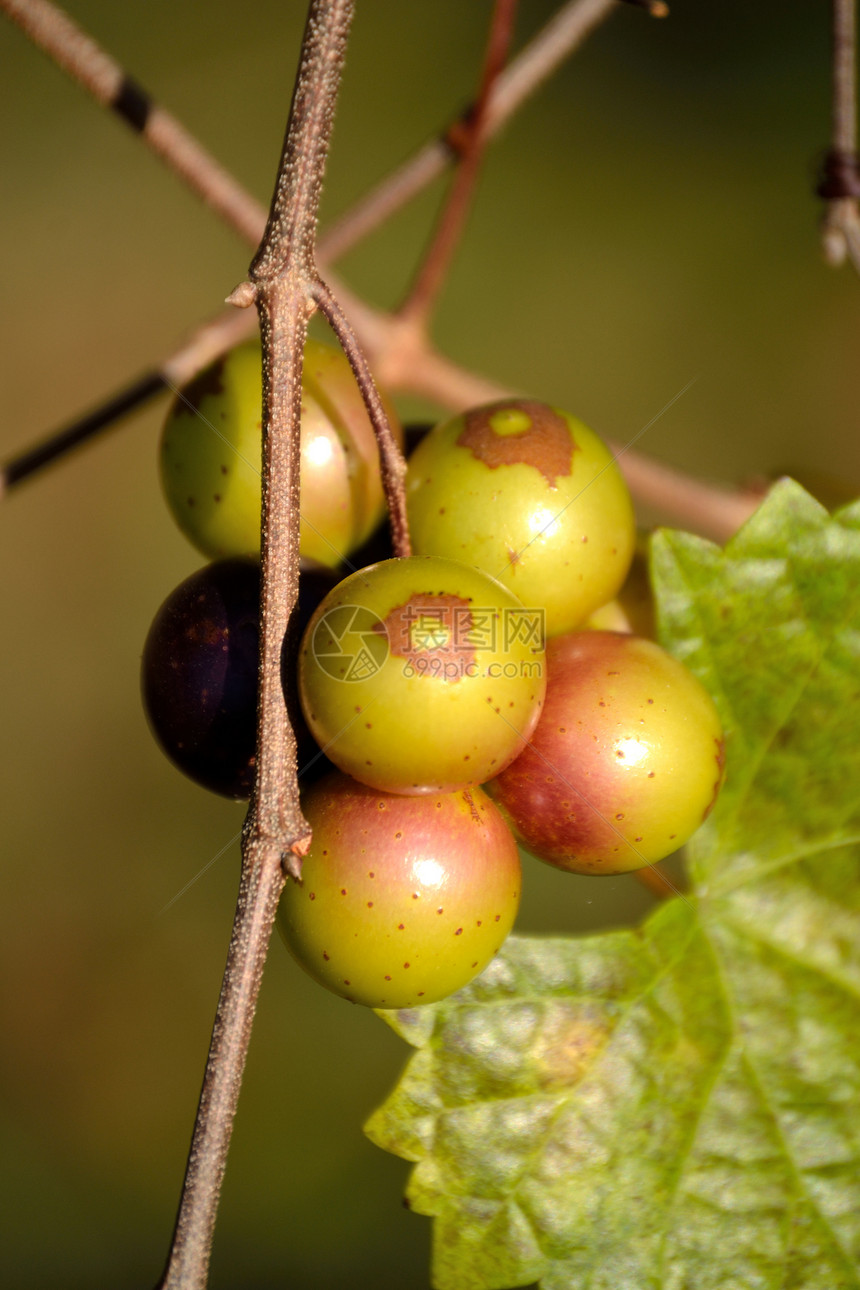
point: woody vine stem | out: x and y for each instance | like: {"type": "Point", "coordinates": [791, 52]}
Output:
{"type": "Point", "coordinates": [286, 287]}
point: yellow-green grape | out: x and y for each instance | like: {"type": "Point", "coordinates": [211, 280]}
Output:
{"type": "Point", "coordinates": [608, 618]}
{"type": "Point", "coordinates": [402, 900]}
{"type": "Point", "coordinates": [421, 675]}
{"type": "Point", "coordinates": [530, 495]}
{"type": "Point", "coordinates": [211, 452]}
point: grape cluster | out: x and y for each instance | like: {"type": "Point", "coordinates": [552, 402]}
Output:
{"type": "Point", "coordinates": [466, 696]}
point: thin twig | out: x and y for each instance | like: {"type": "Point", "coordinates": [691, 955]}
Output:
{"type": "Point", "coordinates": [844, 107]}
{"type": "Point", "coordinates": [282, 276]}
{"type": "Point", "coordinates": [78, 54]}
{"type": "Point", "coordinates": [544, 54]}
{"type": "Point", "coordinates": [710, 509]}
{"type": "Point", "coordinates": [433, 270]}
{"type": "Point", "coordinates": [402, 361]}
{"type": "Point", "coordinates": [72, 49]}
{"type": "Point", "coordinates": [391, 461]}
{"type": "Point", "coordinates": [259, 893]}
{"type": "Point", "coordinates": [214, 338]}
{"type": "Point", "coordinates": [840, 178]}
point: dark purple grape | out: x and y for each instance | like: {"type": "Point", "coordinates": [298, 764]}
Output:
{"type": "Point", "coordinates": [199, 675]}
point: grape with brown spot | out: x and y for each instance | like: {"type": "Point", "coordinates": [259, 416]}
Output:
{"type": "Point", "coordinates": [408, 648]}
{"type": "Point", "coordinates": [530, 495]}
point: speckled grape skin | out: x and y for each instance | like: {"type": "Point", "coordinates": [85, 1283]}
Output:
{"type": "Point", "coordinates": [211, 457]}
{"type": "Point", "coordinates": [403, 900]}
{"type": "Point", "coordinates": [625, 762]}
{"type": "Point", "coordinates": [427, 719]}
{"type": "Point", "coordinates": [530, 495]}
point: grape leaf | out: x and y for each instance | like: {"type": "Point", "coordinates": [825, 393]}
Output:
{"type": "Point", "coordinates": [676, 1107]}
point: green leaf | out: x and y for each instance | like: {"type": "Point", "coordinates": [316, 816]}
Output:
{"type": "Point", "coordinates": [676, 1108]}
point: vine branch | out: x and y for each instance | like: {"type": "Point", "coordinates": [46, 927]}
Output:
{"type": "Point", "coordinates": [391, 460]}
{"type": "Point", "coordinates": [282, 282]}
{"type": "Point", "coordinates": [541, 57]}
{"type": "Point", "coordinates": [72, 49]}
{"type": "Point", "coordinates": [402, 360]}
{"type": "Point", "coordinates": [433, 271]}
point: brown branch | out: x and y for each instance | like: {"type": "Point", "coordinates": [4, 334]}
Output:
{"type": "Point", "coordinates": [840, 178]}
{"type": "Point", "coordinates": [79, 55]}
{"type": "Point", "coordinates": [391, 461]}
{"type": "Point", "coordinates": [433, 271]}
{"type": "Point", "coordinates": [52, 31]}
{"type": "Point", "coordinates": [259, 892]}
{"type": "Point", "coordinates": [276, 835]}
{"type": "Point", "coordinates": [525, 74]}
{"type": "Point", "coordinates": [401, 359]}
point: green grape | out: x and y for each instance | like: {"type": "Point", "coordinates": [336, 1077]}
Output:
{"type": "Point", "coordinates": [211, 452]}
{"type": "Point", "coordinates": [421, 675]}
{"type": "Point", "coordinates": [403, 900]}
{"type": "Point", "coordinates": [530, 495]}
{"type": "Point", "coordinates": [625, 763]}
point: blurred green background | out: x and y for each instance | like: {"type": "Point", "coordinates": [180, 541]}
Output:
{"type": "Point", "coordinates": [647, 219]}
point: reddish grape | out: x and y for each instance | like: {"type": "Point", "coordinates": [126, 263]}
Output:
{"type": "Point", "coordinates": [403, 900]}
{"type": "Point", "coordinates": [626, 760]}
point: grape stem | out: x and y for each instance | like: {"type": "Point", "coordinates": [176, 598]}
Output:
{"type": "Point", "coordinates": [284, 284]}
{"type": "Point", "coordinates": [392, 463]}
{"type": "Point", "coordinates": [470, 143]}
